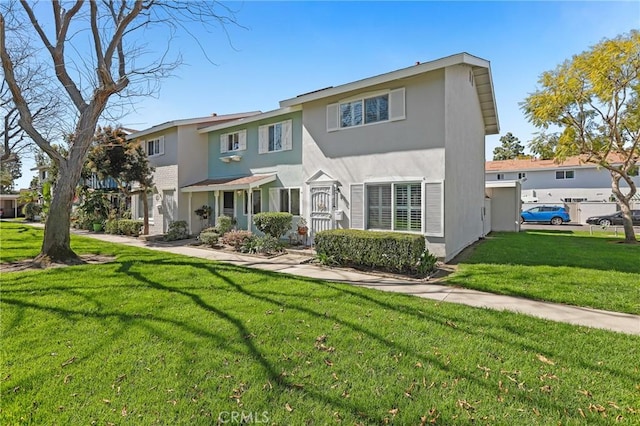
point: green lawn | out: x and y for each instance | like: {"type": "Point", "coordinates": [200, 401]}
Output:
{"type": "Point", "coordinates": [558, 266]}
{"type": "Point", "coordinates": [155, 338]}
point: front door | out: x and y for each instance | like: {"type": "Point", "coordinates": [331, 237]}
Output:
{"type": "Point", "coordinates": [322, 207]}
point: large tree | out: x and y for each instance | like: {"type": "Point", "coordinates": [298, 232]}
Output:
{"type": "Point", "coordinates": [113, 156]}
{"type": "Point", "coordinates": [95, 50]}
{"type": "Point", "coordinates": [593, 99]}
{"type": "Point", "coordinates": [509, 149]}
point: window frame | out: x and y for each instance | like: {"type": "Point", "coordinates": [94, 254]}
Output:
{"type": "Point", "coordinates": [395, 109]}
{"type": "Point", "coordinates": [253, 201]}
{"type": "Point", "coordinates": [288, 191]}
{"type": "Point", "coordinates": [158, 146]}
{"type": "Point", "coordinates": [140, 208]}
{"type": "Point", "coordinates": [565, 174]}
{"type": "Point", "coordinates": [394, 206]}
{"type": "Point", "coordinates": [286, 136]}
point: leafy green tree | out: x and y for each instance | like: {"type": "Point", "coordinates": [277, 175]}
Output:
{"type": "Point", "coordinates": [593, 100]}
{"type": "Point", "coordinates": [113, 156]}
{"type": "Point", "coordinates": [511, 148]}
{"type": "Point", "coordinates": [544, 145]}
{"type": "Point", "coordinates": [10, 170]}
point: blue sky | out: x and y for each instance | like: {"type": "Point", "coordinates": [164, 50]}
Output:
{"type": "Point", "coordinates": [283, 49]}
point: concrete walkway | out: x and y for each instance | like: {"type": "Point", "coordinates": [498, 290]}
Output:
{"type": "Point", "coordinates": [293, 264]}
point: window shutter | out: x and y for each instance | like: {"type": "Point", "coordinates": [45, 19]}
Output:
{"type": "Point", "coordinates": [332, 117]}
{"type": "Point", "coordinates": [287, 142]}
{"type": "Point", "coordinates": [263, 139]}
{"type": "Point", "coordinates": [357, 206]}
{"type": "Point", "coordinates": [223, 143]}
{"type": "Point", "coordinates": [397, 105]}
{"type": "Point", "coordinates": [160, 145]}
{"type": "Point", "coordinates": [274, 199]}
{"type": "Point", "coordinates": [434, 209]}
{"type": "Point", "coordinates": [242, 140]}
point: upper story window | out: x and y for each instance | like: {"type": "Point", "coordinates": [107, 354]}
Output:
{"type": "Point", "coordinates": [155, 146]}
{"type": "Point", "coordinates": [275, 137]}
{"type": "Point", "coordinates": [235, 141]}
{"type": "Point", "coordinates": [522, 175]}
{"type": "Point", "coordinates": [565, 174]}
{"type": "Point", "coordinates": [376, 108]}
{"type": "Point", "coordinates": [500, 176]}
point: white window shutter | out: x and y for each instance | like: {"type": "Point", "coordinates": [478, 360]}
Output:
{"type": "Point", "coordinates": [242, 140]}
{"type": "Point", "coordinates": [161, 145]}
{"type": "Point", "coordinates": [274, 199]}
{"type": "Point", "coordinates": [263, 139]}
{"type": "Point", "coordinates": [434, 209]}
{"type": "Point", "coordinates": [223, 143]}
{"type": "Point", "coordinates": [397, 105]}
{"type": "Point", "coordinates": [357, 206]}
{"type": "Point", "coordinates": [287, 143]}
{"type": "Point", "coordinates": [332, 117]}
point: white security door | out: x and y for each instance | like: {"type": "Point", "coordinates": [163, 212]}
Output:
{"type": "Point", "coordinates": [168, 209]}
{"type": "Point", "coordinates": [321, 213]}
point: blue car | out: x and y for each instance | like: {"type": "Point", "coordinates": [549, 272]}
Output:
{"type": "Point", "coordinates": [554, 215]}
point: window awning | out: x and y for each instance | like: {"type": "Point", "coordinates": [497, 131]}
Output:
{"type": "Point", "coordinates": [229, 184]}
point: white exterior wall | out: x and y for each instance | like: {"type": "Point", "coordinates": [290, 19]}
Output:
{"type": "Point", "coordinates": [589, 182]}
{"type": "Point", "coordinates": [464, 170]}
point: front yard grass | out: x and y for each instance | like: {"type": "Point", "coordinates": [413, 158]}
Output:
{"type": "Point", "coordinates": [156, 338]}
{"type": "Point", "coordinates": [558, 266]}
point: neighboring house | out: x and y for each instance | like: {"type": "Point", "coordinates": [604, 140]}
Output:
{"type": "Point", "coordinates": [179, 154]}
{"type": "Point", "coordinates": [402, 151]}
{"type": "Point", "coordinates": [544, 181]}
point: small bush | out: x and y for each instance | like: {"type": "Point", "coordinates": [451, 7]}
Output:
{"type": "Point", "coordinates": [209, 237]}
{"type": "Point", "coordinates": [178, 230]}
{"type": "Point", "coordinates": [275, 224]}
{"type": "Point", "coordinates": [236, 238]}
{"type": "Point", "coordinates": [31, 210]}
{"type": "Point", "coordinates": [224, 224]}
{"type": "Point", "coordinates": [264, 245]}
{"type": "Point", "coordinates": [123, 227]}
{"type": "Point", "coordinates": [389, 251]}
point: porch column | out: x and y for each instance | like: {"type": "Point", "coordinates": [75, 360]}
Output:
{"type": "Point", "coordinates": [216, 207]}
{"type": "Point", "coordinates": [189, 215]}
{"type": "Point", "coordinates": [249, 208]}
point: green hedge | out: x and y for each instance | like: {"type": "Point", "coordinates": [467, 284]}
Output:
{"type": "Point", "coordinates": [389, 251]}
{"type": "Point", "coordinates": [124, 227]}
{"type": "Point", "coordinates": [275, 224]}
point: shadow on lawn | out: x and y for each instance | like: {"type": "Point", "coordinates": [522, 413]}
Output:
{"type": "Point", "coordinates": [555, 248]}
{"type": "Point", "coordinates": [458, 325]}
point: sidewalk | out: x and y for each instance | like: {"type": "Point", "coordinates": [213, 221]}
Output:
{"type": "Point", "coordinates": [292, 264]}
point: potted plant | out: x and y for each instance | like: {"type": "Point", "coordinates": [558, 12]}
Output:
{"type": "Point", "coordinates": [96, 207]}
{"type": "Point", "coordinates": [302, 227]}
{"type": "Point", "coordinates": [203, 212]}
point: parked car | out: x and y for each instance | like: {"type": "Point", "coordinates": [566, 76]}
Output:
{"type": "Point", "coordinates": [555, 215]}
{"type": "Point", "coordinates": [614, 219]}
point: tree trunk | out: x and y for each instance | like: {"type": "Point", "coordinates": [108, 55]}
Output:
{"type": "Point", "coordinates": [145, 206]}
{"type": "Point", "coordinates": [56, 246]}
{"type": "Point", "coordinates": [625, 207]}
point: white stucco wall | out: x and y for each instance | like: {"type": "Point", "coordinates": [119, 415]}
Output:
{"type": "Point", "coordinates": [464, 164]}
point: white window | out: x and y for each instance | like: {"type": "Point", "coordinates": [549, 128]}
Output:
{"type": "Point", "coordinates": [522, 175]}
{"type": "Point", "coordinates": [500, 176]}
{"type": "Point", "coordinates": [275, 137]}
{"type": "Point", "coordinates": [155, 146]}
{"type": "Point", "coordinates": [256, 202]}
{"type": "Point", "coordinates": [400, 212]}
{"type": "Point", "coordinates": [564, 174]}
{"type": "Point", "coordinates": [382, 107]}
{"type": "Point", "coordinates": [140, 209]}
{"type": "Point", "coordinates": [235, 141]}
{"type": "Point", "coordinates": [290, 200]}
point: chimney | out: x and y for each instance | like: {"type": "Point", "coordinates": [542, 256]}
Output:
{"type": "Point", "coordinates": [214, 114]}
{"type": "Point", "coordinates": [417, 62]}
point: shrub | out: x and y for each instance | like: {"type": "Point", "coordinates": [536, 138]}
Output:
{"type": "Point", "coordinates": [266, 244]}
{"type": "Point", "coordinates": [123, 227]}
{"type": "Point", "coordinates": [275, 224]}
{"type": "Point", "coordinates": [178, 230]}
{"type": "Point", "coordinates": [31, 210]}
{"type": "Point", "coordinates": [236, 238]}
{"type": "Point", "coordinates": [209, 237]}
{"type": "Point", "coordinates": [224, 224]}
{"type": "Point", "coordinates": [389, 251]}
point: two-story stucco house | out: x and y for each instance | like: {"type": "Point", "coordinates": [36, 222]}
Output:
{"type": "Point", "coordinates": [402, 151]}
{"type": "Point", "coordinates": [178, 153]}
{"type": "Point", "coordinates": [545, 181]}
